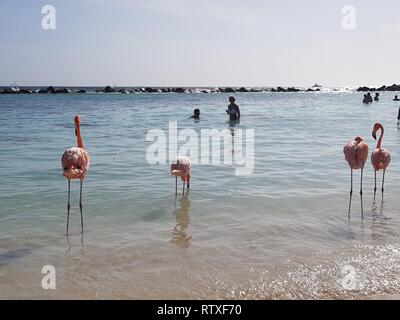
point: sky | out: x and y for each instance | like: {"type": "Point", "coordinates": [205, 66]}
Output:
{"type": "Point", "coordinates": [200, 43]}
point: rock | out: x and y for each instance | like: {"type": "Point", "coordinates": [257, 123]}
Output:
{"type": "Point", "coordinates": [11, 90]}
{"type": "Point", "coordinates": [14, 90]}
{"type": "Point", "coordinates": [292, 89]}
{"type": "Point", "coordinates": [365, 89]}
{"type": "Point", "coordinates": [81, 91]}
{"type": "Point", "coordinates": [179, 90]}
{"type": "Point", "coordinates": [393, 87]}
{"type": "Point", "coordinates": [242, 89]}
{"type": "Point", "coordinates": [124, 91]}
{"type": "Point", "coordinates": [62, 90]}
{"type": "Point", "coordinates": [383, 88]}
{"type": "Point", "coordinates": [50, 90]}
{"type": "Point", "coordinates": [26, 91]}
{"type": "Point", "coordinates": [6, 91]}
{"type": "Point", "coordinates": [229, 90]}
{"type": "Point", "coordinates": [150, 90]}
{"type": "Point", "coordinates": [109, 89]}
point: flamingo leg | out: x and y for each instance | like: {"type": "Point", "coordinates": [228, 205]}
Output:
{"type": "Point", "coordinates": [351, 191]}
{"type": "Point", "coordinates": [82, 243]}
{"type": "Point", "coordinates": [176, 185]}
{"type": "Point", "coordinates": [383, 182]}
{"type": "Point", "coordinates": [68, 205]}
{"type": "Point", "coordinates": [361, 194]}
{"type": "Point", "coordinates": [81, 205]}
{"type": "Point", "coordinates": [375, 187]}
{"type": "Point", "coordinates": [183, 189]}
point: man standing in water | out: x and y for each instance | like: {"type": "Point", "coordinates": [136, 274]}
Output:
{"type": "Point", "coordinates": [233, 109]}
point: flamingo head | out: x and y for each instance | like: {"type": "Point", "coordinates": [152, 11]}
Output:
{"type": "Point", "coordinates": [177, 173]}
{"type": "Point", "coordinates": [77, 120]}
{"type": "Point", "coordinates": [358, 140]}
{"type": "Point", "coordinates": [73, 164]}
{"type": "Point", "coordinates": [377, 126]}
{"type": "Point", "coordinates": [176, 169]}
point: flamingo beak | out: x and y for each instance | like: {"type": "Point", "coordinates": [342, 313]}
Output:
{"type": "Point", "coordinates": [77, 124]}
{"type": "Point", "coordinates": [374, 135]}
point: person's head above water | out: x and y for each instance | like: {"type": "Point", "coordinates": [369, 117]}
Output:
{"type": "Point", "coordinates": [232, 99]}
{"type": "Point", "coordinates": [196, 114]}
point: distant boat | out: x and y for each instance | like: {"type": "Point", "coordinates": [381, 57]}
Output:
{"type": "Point", "coordinates": [316, 86]}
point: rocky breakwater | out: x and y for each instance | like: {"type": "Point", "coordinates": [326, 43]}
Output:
{"type": "Point", "coordinates": [393, 87]}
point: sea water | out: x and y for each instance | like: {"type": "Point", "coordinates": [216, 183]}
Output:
{"type": "Point", "coordinates": [280, 232]}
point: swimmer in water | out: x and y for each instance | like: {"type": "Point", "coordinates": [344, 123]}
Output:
{"type": "Point", "coordinates": [196, 114]}
{"type": "Point", "coordinates": [376, 98]}
{"type": "Point", "coordinates": [396, 98]}
{"type": "Point", "coordinates": [233, 109]}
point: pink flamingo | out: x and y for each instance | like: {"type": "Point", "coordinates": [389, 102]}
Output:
{"type": "Point", "coordinates": [181, 168]}
{"type": "Point", "coordinates": [356, 154]}
{"type": "Point", "coordinates": [75, 163]}
{"type": "Point", "coordinates": [380, 157]}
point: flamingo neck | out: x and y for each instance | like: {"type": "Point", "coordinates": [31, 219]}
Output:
{"type": "Point", "coordinates": [378, 145]}
{"type": "Point", "coordinates": [78, 136]}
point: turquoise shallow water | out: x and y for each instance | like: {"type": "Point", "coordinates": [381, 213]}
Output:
{"type": "Point", "coordinates": [281, 232]}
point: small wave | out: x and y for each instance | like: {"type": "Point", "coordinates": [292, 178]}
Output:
{"type": "Point", "coordinates": [364, 271]}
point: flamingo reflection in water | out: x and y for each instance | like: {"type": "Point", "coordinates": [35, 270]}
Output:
{"type": "Point", "coordinates": [179, 233]}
